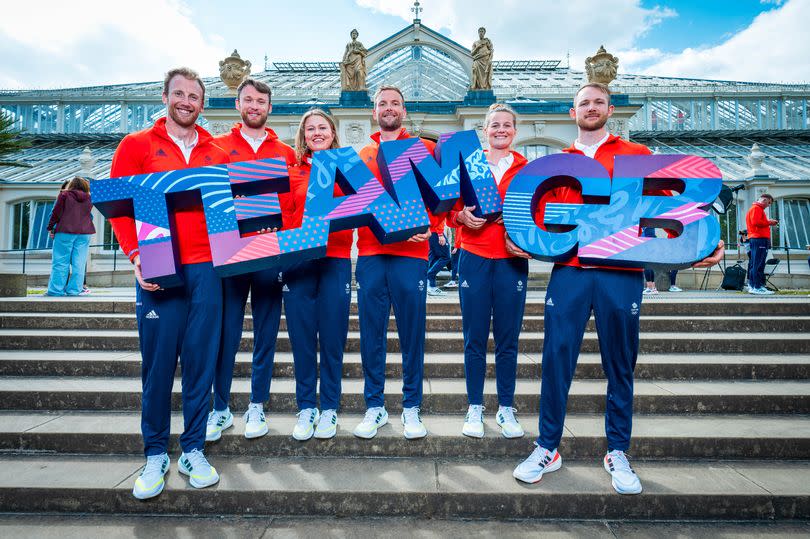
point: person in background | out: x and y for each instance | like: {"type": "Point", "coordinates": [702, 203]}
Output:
{"type": "Point", "coordinates": [71, 227]}
{"type": "Point", "coordinates": [759, 239]}
{"type": "Point", "coordinates": [649, 274]}
{"type": "Point", "coordinates": [455, 252]}
{"type": "Point", "coordinates": [438, 258]}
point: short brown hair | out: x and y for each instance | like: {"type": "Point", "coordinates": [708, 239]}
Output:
{"type": "Point", "coordinates": [766, 195]}
{"type": "Point", "coordinates": [598, 85]}
{"type": "Point", "coordinates": [301, 149]}
{"type": "Point", "coordinates": [78, 184]}
{"type": "Point", "coordinates": [261, 87]}
{"type": "Point", "coordinates": [383, 88]}
{"type": "Point", "coordinates": [187, 73]}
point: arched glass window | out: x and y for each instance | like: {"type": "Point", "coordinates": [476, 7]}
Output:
{"type": "Point", "coordinates": [794, 223]}
{"type": "Point", "coordinates": [533, 151]}
{"type": "Point", "coordinates": [422, 73]}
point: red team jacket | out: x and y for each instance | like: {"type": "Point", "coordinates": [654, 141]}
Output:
{"type": "Point", "coordinates": [238, 149]}
{"type": "Point", "coordinates": [612, 147]}
{"type": "Point", "coordinates": [152, 150]}
{"type": "Point", "coordinates": [340, 243]}
{"type": "Point", "coordinates": [488, 241]}
{"type": "Point", "coordinates": [367, 243]}
{"type": "Point", "coordinates": [757, 222]}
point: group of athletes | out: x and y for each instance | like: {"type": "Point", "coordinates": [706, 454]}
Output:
{"type": "Point", "coordinates": [201, 321]}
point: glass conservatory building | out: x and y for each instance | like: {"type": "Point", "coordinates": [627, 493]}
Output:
{"type": "Point", "coordinates": [76, 130]}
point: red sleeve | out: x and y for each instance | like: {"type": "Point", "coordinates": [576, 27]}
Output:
{"type": "Point", "coordinates": [436, 223]}
{"type": "Point", "coordinates": [127, 161]}
{"type": "Point", "coordinates": [758, 216]}
{"type": "Point", "coordinates": [58, 208]}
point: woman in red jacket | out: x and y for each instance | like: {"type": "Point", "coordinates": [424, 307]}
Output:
{"type": "Point", "coordinates": [492, 286]}
{"type": "Point", "coordinates": [317, 295]}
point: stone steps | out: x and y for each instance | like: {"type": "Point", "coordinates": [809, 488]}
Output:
{"type": "Point", "coordinates": [441, 395]}
{"type": "Point", "coordinates": [125, 526]}
{"type": "Point", "coordinates": [531, 323]}
{"type": "Point", "coordinates": [437, 365]}
{"type": "Point", "coordinates": [424, 487]}
{"type": "Point", "coordinates": [442, 342]}
{"type": "Point", "coordinates": [766, 438]}
{"type": "Point", "coordinates": [735, 305]}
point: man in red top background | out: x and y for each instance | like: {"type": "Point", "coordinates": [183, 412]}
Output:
{"type": "Point", "coordinates": [393, 274]}
{"type": "Point", "coordinates": [574, 291]}
{"type": "Point", "coordinates": [759, 237]}
{"type": "Point", "coordinates": [183, 321]}
{"type": "Point", "coordinates": [248, 141]}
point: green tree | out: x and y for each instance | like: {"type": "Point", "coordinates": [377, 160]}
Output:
{"type": "Point", "coordinates": [10, 141]}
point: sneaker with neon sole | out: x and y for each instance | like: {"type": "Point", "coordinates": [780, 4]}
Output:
{"type": "Point", "coordinates": [474, 422]}
{"type": "Point", "coordinates": [305, 427]}
{"type": "Point", "coordinates": [255, 421]}
{"type": "Point", "coordinates": [375, 418]}
{"type": "Point", "coordinates": [510, 426]}
{"type": "Point", "coordinates": [200, 473]}
{"type": "Point", "coordinates": [327, 425]}
{"type": "Point", "coordinates": [412, 426]}
{"type": "Point", "coordinates": [150, 483]}
{"type": "Point", "coordinates": [217, 422]}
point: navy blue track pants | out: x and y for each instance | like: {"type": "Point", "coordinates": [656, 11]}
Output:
{"type": "Point", "coordinates": [384, 281]}
{"type": "Point", "coordinates": [317, 297]}
{"type": "Point", "coordinates": [614, 296]}
{"type": "Point", "coordinates": [491, 290]}
{"type": "Point", "coordinates": [438, 258]}
{"type": "Point", "coordinates": [265, 302]}
{"type": "Point", "coordinates": [758, 256]}
{"type": "Point", "coordinates": [182, 322]}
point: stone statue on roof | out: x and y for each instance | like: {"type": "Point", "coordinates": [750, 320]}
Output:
{"type": "Point", "coordinates": [482, 62]}
{"type": "Point", "coordinates": [601, 67]}
{"type": "Point", "coordinates": [353, 66]}
{"type": "Point", "coordinates": [233, 70]}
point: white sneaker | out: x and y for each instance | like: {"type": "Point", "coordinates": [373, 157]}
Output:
{"type": "Point", "coordinates": [217, 422]}
{"type": "Point", "coordinates": [374, 419]}
{"type": "Point", "coordinates": [412, 425]}
{"type": "Point", "coordinates": [150, 483]}
{"type": "Point", "coordinates": [650, 291]}
{"type": "Point", "coordinates": [255, 422]}
{"type": "Point", "coordinates": [435, 291]}
{"type": "Point", "coordinates": [196, 467]}
{"type": "Point", "coordinates": [625, 480]}
{"type": "Point", "coordinates": [451, 284]}
{"type": "Point", "coordinates": [474, 422]}
{"type": "Point", "coordinates": [541, 461]}
{"type": "Point", "coordinates": [674, 288]}
{"type": "Point", "coordinates": [764, 291]}
{"type": "Point", "coordinates": [305, 428]}
{"type": "Point", "coordinates": [510, 426]}
{"type": "Point", "coordinates": [327, 425]}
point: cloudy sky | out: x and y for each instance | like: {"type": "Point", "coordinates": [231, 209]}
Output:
{"type": "Point", "coordinates": [50, 43]}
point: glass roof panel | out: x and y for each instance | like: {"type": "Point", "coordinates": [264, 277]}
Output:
{"type": "Point", "coordinates": [423, 73]}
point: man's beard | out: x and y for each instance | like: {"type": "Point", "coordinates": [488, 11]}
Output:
{"type": "Point", "coordinates": [183, 121]}
{"type": "Point", "coordinates": [390, 123]}
{"type": "Point", "coordinates": [582, 124]}
{"type": "Point", "coordinates": [254, 124]}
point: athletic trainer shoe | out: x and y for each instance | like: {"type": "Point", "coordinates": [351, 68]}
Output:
{"type": "Point", "coordinates": [412, 425]}
{"type": "Point", "coordinates": [150, 483]}
{"type": "Point", "coordinates": [625, 480]}
{"type": "Point", "coordinates": [649, 291]}
{"type": "Point", "coordinates": [255, 422]}
{"type": "Point", "coordinates": [474, 422]}
{"type": "Point", "coordinates": [305, 427]}
{"type": "Point", "coordinates": [374, 419]}
{"type": "Point", "coordinates": [217, 422]}
{"type": "Point", "coordinates": [674, 288]}
{"type": "Point", "coordinates": [196, 467]}
{"type": "Point", "coordinates": [451, 284]}
{"type": "Point", "coordinates": [327, 425]}
{"type": "Point", "coordinates": [510, 426]}
{"type": "Point", "coordinates": [435, 291]}
{"type": "Point", "coordinates": [540, 462]}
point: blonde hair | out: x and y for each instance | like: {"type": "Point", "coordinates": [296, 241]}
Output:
{"type": "Point", "coordinates": [499, 107]}
{"type": "Point", "coordinates": [185, 72]}
{"type": "Point", "coordinates": [301, 148]}
{"type": "Point", "coordinates": [598, 85]}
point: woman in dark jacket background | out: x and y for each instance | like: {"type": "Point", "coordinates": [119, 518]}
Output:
{"type": "Point", "coordinates": [71, 228]}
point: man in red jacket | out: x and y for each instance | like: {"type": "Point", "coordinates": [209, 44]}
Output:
{"type": "Point", "coordinates": [574, 291]}
{"type": "Point", "coordinates": [393, 274]}
{"type": "Point", "coordinates": [250, 140]}
{"type": "Point", "coordinates": [183, 321]}
{"type": "Point", "coordinates": [759, 237]}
